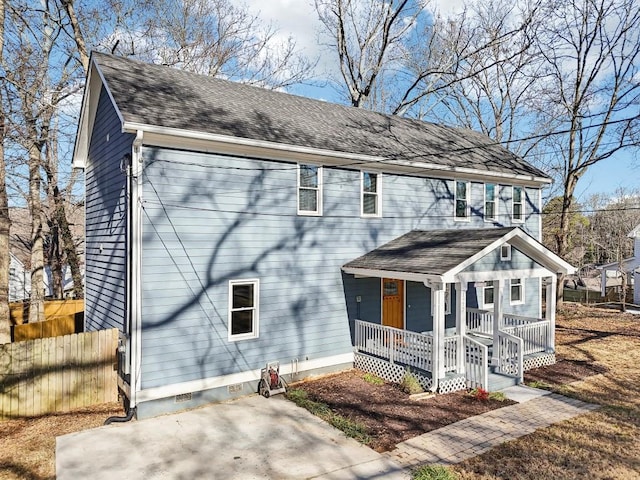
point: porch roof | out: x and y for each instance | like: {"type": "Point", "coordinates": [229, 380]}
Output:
{"type": "Point", "coordinates": [444, 253]}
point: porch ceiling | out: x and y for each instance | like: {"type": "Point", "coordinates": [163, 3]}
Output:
{"type": "Point", "coordinates": [445, 253]}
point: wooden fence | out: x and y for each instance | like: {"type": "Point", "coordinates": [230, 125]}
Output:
{"type": "Point", "coordinates": [58, 374]}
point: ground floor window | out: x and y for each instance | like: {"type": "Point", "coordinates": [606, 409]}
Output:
{"type": "Point", "coordinates": [487, 294]}
{"type": "Point", "coordinates": [243, 309]}
{"type": "Point", "coordinates": [516, 291]}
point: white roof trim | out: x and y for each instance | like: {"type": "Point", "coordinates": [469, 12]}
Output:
{"type": "Point", "coordinates": [635, 233]}
{"type": "Point", "coordinates": [397, 275]}
{"type": "Point", "coordinates": [90, 98]}
{"type": "Point", "coordinates": [195, 140]}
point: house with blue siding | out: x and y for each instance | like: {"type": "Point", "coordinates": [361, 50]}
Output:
{"type": "Point", "coordinates": [228, 226]}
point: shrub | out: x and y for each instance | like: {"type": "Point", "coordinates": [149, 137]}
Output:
{"type": "Point", "coordinates": [479, 394]}
{"type": "Point", "coordinates": [497, 396]}
{"type": "Point", "coordinates": [372, 379]}
{"type": "Point", "coordinates": [410, 383]}
{"type": "Point", "coordinates": [433, 472]}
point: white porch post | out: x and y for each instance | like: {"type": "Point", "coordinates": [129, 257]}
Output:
{"type": "Point", "coordinates": [437, 303]}
{"type": "Point", "coordinates": [497, 318]}
{"type": "Point", "coordinates": [461, 322]}
{"type": "Point", "coordinates": [550, 313]}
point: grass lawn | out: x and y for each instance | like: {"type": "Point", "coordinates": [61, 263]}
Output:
{"type": "Point", "coordinates": [604, 444]}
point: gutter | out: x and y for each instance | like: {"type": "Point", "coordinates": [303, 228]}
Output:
{"type": "Point", "coordinates": [330, 156]}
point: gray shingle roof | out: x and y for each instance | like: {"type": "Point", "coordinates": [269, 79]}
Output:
{"type": "Point", "coordinates": [162, 96]}
{"type": "Point", "coordinates": [432, 252]}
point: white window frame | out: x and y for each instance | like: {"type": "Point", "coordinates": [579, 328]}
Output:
{"type": "Point", "coordinates": [496, 188]}
{"type": "Point", "coordinates": [488, 284]}
{"type": "Point", "coordinates": [255, 332]}
{"type": "Point", "coordinates": [467, 210]}
{"type": "Point", "coordinates": [507, 257]}
{"type": "Point", "coordinates": [519, 284]}
{"type": "Point", "coordinates": [378, 194]}
{"type": "Point", "coordinates": [522, 203]}
{"type": "Point", "coordinates": [318, 189]}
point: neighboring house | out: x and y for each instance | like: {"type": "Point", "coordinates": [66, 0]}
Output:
{"type": "Point", "coordinates": [19, 280]}
{"type": "Point", "coordinates": [228, 226]}
{"type": "Point", "coordinates": [631, 266]}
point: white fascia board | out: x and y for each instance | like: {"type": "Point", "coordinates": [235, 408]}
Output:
{"type": "Point", "coordinates": [215, 143]}
{"type": "Point", "coordinates": [470, 277]}
{"type": "Point", "coordinates": [629, 264]}
{"type": "Point", "coordinates": [396, 275]}
{"type": "Point", "coordinates": [635, 233]}
{"type": "Point", "coordinates": [542, 254]}
{"type": "Point", "coordinates": [193, 386]}
{"type": "Point", "coordinates": [91, 97]}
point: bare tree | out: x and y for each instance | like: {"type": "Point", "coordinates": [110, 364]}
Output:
{"type": "Point", "coordinates": [396, 56]}
{"type": "Point", "coordinates": [592, 59]}
{"type": "Point", "coordinates": [5, 223]}
{"type": "Point", "coordinates": [494, 93]}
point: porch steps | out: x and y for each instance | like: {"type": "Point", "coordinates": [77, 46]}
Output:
{"type": "Point", "coordinates": [499, 381]}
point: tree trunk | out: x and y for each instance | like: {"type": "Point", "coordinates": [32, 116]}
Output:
{"type": "Point", "coordinates": [5, 223]}
{"type": "Point", "coordinates": [36, 306]}
{"type": "Point", "coordinates": [562, 237]}
{"type": "Point", "coordinates": [68, 244]}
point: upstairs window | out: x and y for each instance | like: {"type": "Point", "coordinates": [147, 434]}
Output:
{"type": "Point", "coordinates": [461, 201]}
{"type": "Point", "coordinates": [370, 194]}
{"type": "Point", "coordinates": [243, 309]}
{"type": "Point", "coordinates": [490, 211]}
{"type": "Point", "coordinates": [505, 253]}
{"type": "Point", "coordinates": [309, 190]}
{"type": "Point", "coordinates": [518, 204]}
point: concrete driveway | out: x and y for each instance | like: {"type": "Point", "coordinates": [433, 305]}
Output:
{"type": "Point", "coordinates": [250, 438]}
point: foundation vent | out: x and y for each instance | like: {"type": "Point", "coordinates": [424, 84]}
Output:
{"type": "Point", "coordinates": [183, 397]}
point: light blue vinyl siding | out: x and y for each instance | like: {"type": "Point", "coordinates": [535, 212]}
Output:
{"type": "Point", "coordinates": [491, 262]}
{"type": "Point", "coordinates": [106, 221]}
{"type": "Point", "coordinates": [208, 219]}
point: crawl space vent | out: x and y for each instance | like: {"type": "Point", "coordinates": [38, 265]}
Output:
{"type": "Point", "coordinates": [234, 388]}
{"type": "Point", "coordinates": [183, 397]}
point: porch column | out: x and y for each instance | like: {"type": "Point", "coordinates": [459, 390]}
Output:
{"type": "Point", "coordinates": [497, 318]}
{"type": "Point", "coordinates": [461, 322]}
{"type": "Point", "coordinates": [550, 310]}
{"type": "Point", "coordinates": [437, 303]}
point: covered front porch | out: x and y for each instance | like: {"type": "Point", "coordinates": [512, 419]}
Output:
{"type": "Point", "coordinates": [482, 323]}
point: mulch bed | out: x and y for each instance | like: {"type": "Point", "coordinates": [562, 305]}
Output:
{"type": "Point", "coordinates": [387, 412]}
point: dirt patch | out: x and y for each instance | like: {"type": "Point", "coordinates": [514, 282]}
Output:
{"type": "Point", "coordinates": [387, 413]}
{"type": "Point", "coordinates": [27, 445]}
{"type": "Point", "coordinates": [564, 371]}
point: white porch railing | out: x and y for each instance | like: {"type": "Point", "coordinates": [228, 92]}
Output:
{"type": "Point", "coordinates": [480, 321]}
{"type": "Point", "coordinates": [395, 345]}
{"type": "Point", "coordinates": [510, 356]}
{"type": "Point", "coordinates": [511, 320]}
{"type": "Point", "coordinates": [476, 363]}
{"type": "Point", "coordinates": [534, 333]}
{"type": "Point", "coordinates": [450, 354]}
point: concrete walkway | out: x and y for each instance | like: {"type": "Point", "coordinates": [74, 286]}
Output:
{"type": "Point", "coordinates": [475, 435]}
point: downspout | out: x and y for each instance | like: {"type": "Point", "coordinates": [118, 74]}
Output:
{"type": "Point", "coordinates": [136, 267]}
{"type": "Point", "coordinates": [133, 195]}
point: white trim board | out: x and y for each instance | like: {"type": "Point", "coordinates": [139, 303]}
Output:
{"type": "Point", "coordinates": [158, 393]}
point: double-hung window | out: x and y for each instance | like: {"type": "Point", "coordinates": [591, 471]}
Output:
{"type": "Point", "coordinates": [371, 194]}
{"type": "Point", "coordinates": [518, 204]}
{"type": "Point", "coordinates": [309, 190]}
{"type": "Point", "coordinates": [243, 309]}
{"type": "Point", "coordinates": [461, 200]}
{"type": "Point", "coordinates": [488, 294]}
{"type": "Point", "coordinates": [516, 291]}
{"type": "Point", "coordinates": [490, 204]}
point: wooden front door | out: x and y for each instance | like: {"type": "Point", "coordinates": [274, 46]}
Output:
{"type": "Point", "coordinates": [393, 303]}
